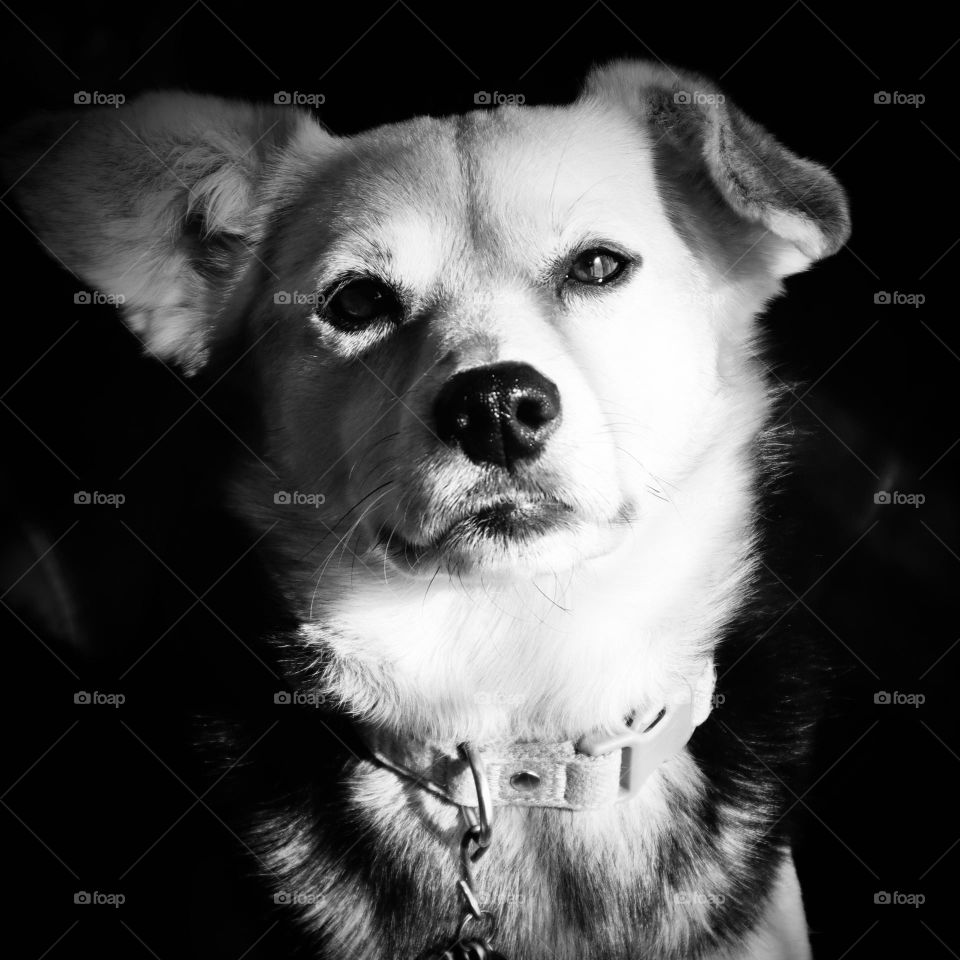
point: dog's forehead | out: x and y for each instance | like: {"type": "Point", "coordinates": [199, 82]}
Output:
{"type": "Point", "coordinates": [557, 169]}
{"type": "Point", "coordinates": [508, 185]}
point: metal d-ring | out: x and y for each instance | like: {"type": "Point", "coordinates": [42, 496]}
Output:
{"type": "Point", "coordinates": [484, 829]}
{"type": "Point", "coordinates": [484, 916]}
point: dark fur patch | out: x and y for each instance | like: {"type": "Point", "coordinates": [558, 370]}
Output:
{"type": "Point", "coordinates": [703, 218]}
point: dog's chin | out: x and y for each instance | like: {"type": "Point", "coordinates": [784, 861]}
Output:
{"type": "Point", "coordinates": [506, 539]}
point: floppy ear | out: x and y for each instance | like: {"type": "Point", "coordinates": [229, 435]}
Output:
{"type": "Point", "coordinates": [699, 135]}
{"type": "Point", "coordinates": [154, 203]}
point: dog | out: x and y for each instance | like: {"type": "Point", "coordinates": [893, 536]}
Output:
{"type": "Point", "coordinates": [513, 428]}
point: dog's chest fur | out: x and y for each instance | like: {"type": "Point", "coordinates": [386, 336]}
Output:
{"type": "Point", "coordinates": [368, 861]}
{"type": "Point", "coordinates": [602, 883]}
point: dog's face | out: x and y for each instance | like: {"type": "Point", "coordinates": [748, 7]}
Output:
{"type": "Point", "coordinates": [516, 346]}
{"type": "Point", "coordinates": [500, 351]}
{"type": "Point", "coordinates": [496, 349]}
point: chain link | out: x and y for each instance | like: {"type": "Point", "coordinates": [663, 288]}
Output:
{"type": "Point", "coordinates": [478, 835]}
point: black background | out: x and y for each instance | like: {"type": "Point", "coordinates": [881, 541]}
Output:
{"type": "Point", "coordinates": [105, 799]}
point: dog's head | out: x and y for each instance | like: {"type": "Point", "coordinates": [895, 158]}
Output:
{"type": "Point", "coordinates": [506, 341]}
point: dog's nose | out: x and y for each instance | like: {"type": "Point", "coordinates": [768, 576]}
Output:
{"type": "Point", "coordinates": [500, 414]}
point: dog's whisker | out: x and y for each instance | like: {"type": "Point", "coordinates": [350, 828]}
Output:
{"type": "Point", "coordinates": [331, 531]}
{"type": "Point", "coordinates": [430, 584]}
{"type": "Point", "coordinates": [334, 549]}
{"type": "Point", "coordinates": [356, 463]}
{"type": "Point", "coordinates": [393, 462]}
{"type": "Point", "coordinates": [358, 526]}
{"type": "Point", "coordinates": [553, 599]}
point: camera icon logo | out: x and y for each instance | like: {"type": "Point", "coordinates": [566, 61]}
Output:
{"type": "Point", "coordinates": [882, 297]}
{"type": "Point", "coordinates": [282, 98]}
{"type": "Point", "coordinates": [282, 696]}
{"type": "Point", "coordinates": [882, 697]}
{"type": "Point", "coordinates": [882, 897]}
{"type": "Point", "coordinates": [281, 896]}
{"type": "Point", "coordinates": [482, 98]}
{"type": "Point", "coordinates": [882, 497]}
{"type": "Point", "coordinates": [882, 97]}
{"type": "Point", "coordinates": [682, 96]}
{"type": "Point", "coordinates": [82, 97]}
{"type": "Point", "coordinates": [82, 497]}
{"type": "Point", "coordinates": [81, 896]}
{"type": "Point", "coordinates": [82, 696]}
{"type": "Point", "coordinates": [281, 496]}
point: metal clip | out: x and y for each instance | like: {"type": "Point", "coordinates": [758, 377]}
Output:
{"type": "Point", "coordinates": [483, 819]}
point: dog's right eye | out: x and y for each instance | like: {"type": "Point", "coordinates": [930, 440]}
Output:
{"type": "Point", "coordinates": [360, 303]}
{"type": "Point", "coordinates": [596, 266]}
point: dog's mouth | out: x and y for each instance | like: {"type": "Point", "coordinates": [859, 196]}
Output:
{"type": "Point", "coordinates": [504, 524]}
{"type": "Point", "coordinates": [508, 535]}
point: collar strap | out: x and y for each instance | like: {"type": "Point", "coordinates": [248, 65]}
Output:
{"type": "Point", "coordinates": [594, 771]}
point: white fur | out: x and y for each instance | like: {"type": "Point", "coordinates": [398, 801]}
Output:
{"type": "Point", "coordinates": [662, 399]}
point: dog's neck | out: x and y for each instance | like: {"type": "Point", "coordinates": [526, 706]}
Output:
{"type": "Point", "coordinates": [546, 657]}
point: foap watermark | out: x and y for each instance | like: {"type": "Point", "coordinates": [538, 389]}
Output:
{"type": "Point", "coordinates": [698, 96]}
{"type": "Point", "coordinates": [98, 898]}
{"type": "Point", "coordinates": [493, 698]}
{"type": "Point", "coordinates": [98, 298]}
{"type": "Point", "coordinates": [705, 299]}
{"type": "Point", "coordinates": [898, 699]}
{"type": "Point", "coordinates": [297, 298]}
{"type": "Point", "coordinates": [96, 498]}
{"type": "Point", "coordinates": [885, 498]}
{"type": "Point", "coordinates": [898, 899]}
{"type": "Point", "coordinates": [699, 899]}
{"type": "Point", "coordinates": [490, 892]}
{"type": "Point", "coordinates": [484, 98]}
{"type": "Point", "coordinates": [701, 699]}
{"type": "Point", "coordinates": [298, 898]}
{"type": "Point", "coordinates": [297, 98]}
{"type": "Point", "coordinates": [96, 98]}
{"type": "Point", "coordinates": [98, 698]}
{"type": "Point", "coordinates": [295, 498]}
{"type": "Point", "coordinates": [899, 99]}
{"type": "Point", "coordinates": [299, 698]}
{"type": "Point", "coordinates": [897, 298]}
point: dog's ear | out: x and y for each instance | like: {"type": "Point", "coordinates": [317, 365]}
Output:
{"type": "Point", "coordinates": [699, 134]}
{"type": "Point", "coordinates": [157, 203]}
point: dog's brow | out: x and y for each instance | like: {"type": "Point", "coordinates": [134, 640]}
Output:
{"type": "Point", "coordinates": [356, 248]}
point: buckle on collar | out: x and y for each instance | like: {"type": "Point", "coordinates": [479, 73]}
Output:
{"type": "Point", "coordinates": [642, 752]}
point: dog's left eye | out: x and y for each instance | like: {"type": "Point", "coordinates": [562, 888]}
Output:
{"type": "Point", "coordinates": [596, 266]}
{"type": "Point", "coordinates": [360, 303]}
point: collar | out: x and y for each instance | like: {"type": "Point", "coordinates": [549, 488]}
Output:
{"type": "Point", "coordinates": [593, 771]}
